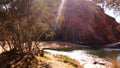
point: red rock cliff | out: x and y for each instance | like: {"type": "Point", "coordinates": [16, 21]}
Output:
{"type": "Point", "coordinates": [85, 21]}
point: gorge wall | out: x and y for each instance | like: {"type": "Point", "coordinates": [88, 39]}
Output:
{"type": "Point", "coordinates": [86, 22]}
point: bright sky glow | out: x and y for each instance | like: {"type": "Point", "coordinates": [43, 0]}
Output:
{"type": "Point", "coordinates": [59, 13]}
{"type": "Point", "coordinates": [111, 13]}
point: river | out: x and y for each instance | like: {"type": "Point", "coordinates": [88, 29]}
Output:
{"type": "Point", "coordinates": [89, 57]}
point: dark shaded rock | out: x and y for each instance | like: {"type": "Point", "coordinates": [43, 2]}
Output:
{"type": "Point", "coordinates": [99, 63]}
{"type": "Point", "coordinates": [87, 22]}
{"type": "Point", "coordinates": [114, 26]}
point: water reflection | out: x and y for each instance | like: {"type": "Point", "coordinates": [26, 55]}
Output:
{"type": "Point", "coordinates": [110, 54]}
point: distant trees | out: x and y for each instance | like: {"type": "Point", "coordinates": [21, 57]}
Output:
{"type": "Point", "coordinates": [23, 22]}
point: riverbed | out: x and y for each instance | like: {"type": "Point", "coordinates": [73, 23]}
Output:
{"type": "Point", "coordinates": [92, 58]}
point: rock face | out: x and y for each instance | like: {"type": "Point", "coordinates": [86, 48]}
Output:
{"type": "Point", "coordinates": [86, 22]}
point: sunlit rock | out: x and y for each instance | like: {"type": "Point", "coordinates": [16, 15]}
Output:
{"type": "Point", "coordinates": [86, 22]}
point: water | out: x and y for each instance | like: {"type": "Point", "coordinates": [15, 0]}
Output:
{"type": "Point", "coordinates": [106, 53]}
{"type": "Point", "coordinates": [59, 13]}
{"type": "Point", "coordinates": [87, 57]}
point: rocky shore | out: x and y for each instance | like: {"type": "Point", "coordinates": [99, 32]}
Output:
{"type": "Point", "coordinates": [85, 59]}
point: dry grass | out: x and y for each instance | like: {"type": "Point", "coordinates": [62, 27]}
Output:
{"type": "Point", "coordinates": [59, 60]}
{"type": "Point", "coordinates": [114, 62]}
{"type": "Point", "coordinates": [42, 58]}
{"type": "Point", "coordinates": [68, 60]}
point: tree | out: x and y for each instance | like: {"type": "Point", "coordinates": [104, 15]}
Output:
{"type": "Point", "coordinates": [23, 22]}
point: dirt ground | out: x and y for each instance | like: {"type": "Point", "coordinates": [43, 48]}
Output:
{"type": "Point", "coordinates": [55, 62]}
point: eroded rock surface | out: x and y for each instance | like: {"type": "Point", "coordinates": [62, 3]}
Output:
{"type": "Point", "coordinates": [85, 21]}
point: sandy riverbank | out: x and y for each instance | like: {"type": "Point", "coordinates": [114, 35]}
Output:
{"type": "Point", "coordinates": [85, 59]}
{"type": "Point", "coordinates": [51, 44]}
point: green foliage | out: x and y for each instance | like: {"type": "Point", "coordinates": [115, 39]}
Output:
{"type": "Point", "coordinates": [25, 21]}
